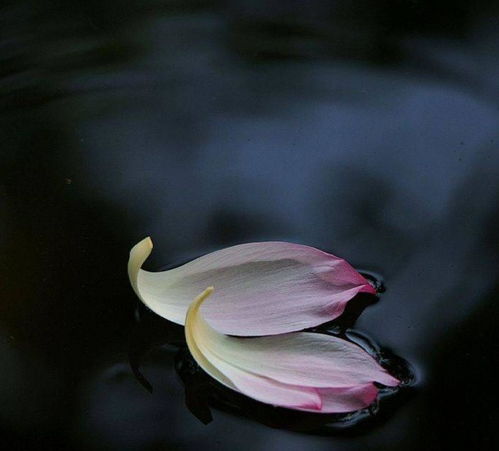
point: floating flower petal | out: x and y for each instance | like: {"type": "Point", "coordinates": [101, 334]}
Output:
{"type": "Point", "coordinates": [300, 370]}
{"type": "Point", "coordinates": [264, 288]}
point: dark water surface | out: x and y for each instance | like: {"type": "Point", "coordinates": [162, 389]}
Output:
{"type": "Point", "coordinates": [368, 129]}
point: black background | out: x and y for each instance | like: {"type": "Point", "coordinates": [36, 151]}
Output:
{"type": "Point", "coordinates": [365, 128]}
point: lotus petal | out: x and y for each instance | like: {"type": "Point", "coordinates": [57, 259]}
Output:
{"type": "Point", "coordinates": [276, 287]}
{"type": "Point", "coordinates": [300, 370]}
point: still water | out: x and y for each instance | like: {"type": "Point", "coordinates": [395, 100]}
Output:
{"type": "Point", "coordinates": [368, 130]}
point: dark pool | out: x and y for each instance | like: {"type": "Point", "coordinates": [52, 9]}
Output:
{"type": "Point", "coordinates": [367, 129]}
